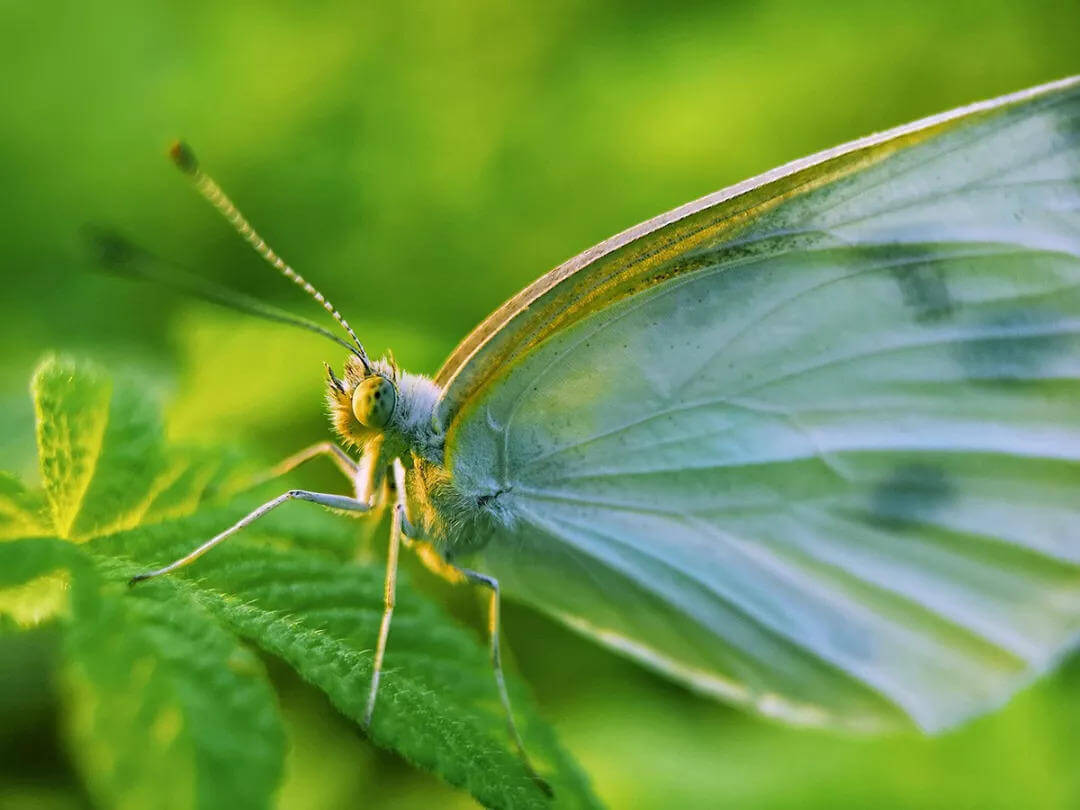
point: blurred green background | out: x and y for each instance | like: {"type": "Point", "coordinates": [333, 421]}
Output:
{"type": "Point", "coordinates": [421, 164]}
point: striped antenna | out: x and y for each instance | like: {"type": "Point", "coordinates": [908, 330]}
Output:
{"type": "Point", "coordinates": [185, 160]}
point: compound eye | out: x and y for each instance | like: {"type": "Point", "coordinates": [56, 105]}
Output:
{"type": "Point", "coordinates": [373, 402]}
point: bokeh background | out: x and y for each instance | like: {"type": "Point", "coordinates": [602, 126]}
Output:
{"type": "Point", "coordinates": [422, 163]}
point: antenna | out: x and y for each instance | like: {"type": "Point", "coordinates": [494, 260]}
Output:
{"type": "Point", "coordinates": [184, 159]}
{"type": "Point", "coordinates": [118, 256]}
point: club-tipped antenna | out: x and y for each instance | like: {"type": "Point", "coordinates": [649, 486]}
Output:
{"type": "Point", "coordinates": [184, 159]}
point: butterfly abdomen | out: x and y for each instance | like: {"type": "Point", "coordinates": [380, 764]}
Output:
{"type": "Point", "coordinates": [453, 518]}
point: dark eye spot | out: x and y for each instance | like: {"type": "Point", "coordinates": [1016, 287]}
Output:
{"type": "Point", "coordinates": [911, 493]}
{"type": "Point", "coordinates": [378, 394]}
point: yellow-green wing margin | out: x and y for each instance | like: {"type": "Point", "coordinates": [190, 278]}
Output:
{"type": "Point", "coordinates": [641, 256]}
{"type": "Point", "coordinates": [812, 445]}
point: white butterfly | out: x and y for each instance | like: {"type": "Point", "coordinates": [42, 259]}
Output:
{"type": "Point", "coordinates": [810, 444]}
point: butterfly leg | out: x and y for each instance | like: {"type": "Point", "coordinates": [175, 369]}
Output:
{"type": "Point", "coordinates": [341, 459]}
{"type": "Point", "coordinates": [389, 593]}
{"type": "Point", "coordinates": [323, 499]}
{"type": "Point", "coordinates": [349, 468]}
{"type": "Point", "coordinates": [361, 473]}
{"type": "Point", "coordinates": [494, 630]}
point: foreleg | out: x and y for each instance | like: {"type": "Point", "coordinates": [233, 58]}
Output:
{"type": "Point", "coordinates": [321, 498]}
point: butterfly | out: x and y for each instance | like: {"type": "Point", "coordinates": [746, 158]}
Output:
{"type": "Point", "coordinates": [809, 444]}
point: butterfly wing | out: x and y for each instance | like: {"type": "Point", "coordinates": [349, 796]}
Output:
{"type": "Point", "coordinates": [813, 443]}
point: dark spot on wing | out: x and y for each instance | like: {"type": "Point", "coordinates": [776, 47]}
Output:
{"type": "Point", "coordinates": [918, 271]}
{"type": "Point", "coordinates": [1013, 346]}
{"type": "Point", "coordinates": [924, 291]}
{"type": "Point", "coordinates": [912, 493]}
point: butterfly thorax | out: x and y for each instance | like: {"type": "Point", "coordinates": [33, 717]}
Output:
{"type": "Point", "coordinates": [389, 414]}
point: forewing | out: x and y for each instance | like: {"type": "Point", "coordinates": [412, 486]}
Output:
{"type": "Point", "coordinates": [824, 460]}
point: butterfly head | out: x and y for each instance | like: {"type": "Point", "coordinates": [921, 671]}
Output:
{"type": "Point", "coordinates": [365, 402]}
{"type": "Point", "coordinates": [375, 399]}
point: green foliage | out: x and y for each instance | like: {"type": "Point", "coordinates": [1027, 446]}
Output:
{"type": "Point", "coordinates": [167, 707]}
{"type": "Point", "coordinates": [420, 164]}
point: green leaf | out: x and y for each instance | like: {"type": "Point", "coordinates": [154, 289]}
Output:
{"type": "Point", "coordinates": [162, 692]}
{"type": "Point", "coordinates": [170, 710]}
{"type": "Point", "coordinates": [101, 455]}
{"type": "Point", "coordinates": [34, 580]}
{"type": "Point", "coordinates": [72, 412]}
{"type": "Point", "coordinates": [22, 561]}
{"type": "Point", "coordinates": [437, 703]}
{"type": "Point", "coordinates": [23, 513]}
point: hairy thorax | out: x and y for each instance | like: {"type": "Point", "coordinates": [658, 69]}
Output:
{"type": "Point", "coordinates": [451, 520]}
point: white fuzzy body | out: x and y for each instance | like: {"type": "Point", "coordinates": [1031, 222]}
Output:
{"type": "Point", "coordinates": [414, 415]}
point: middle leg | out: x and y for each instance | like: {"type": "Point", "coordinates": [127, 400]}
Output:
{"type": "Point", "coordinates": [390, 590]}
